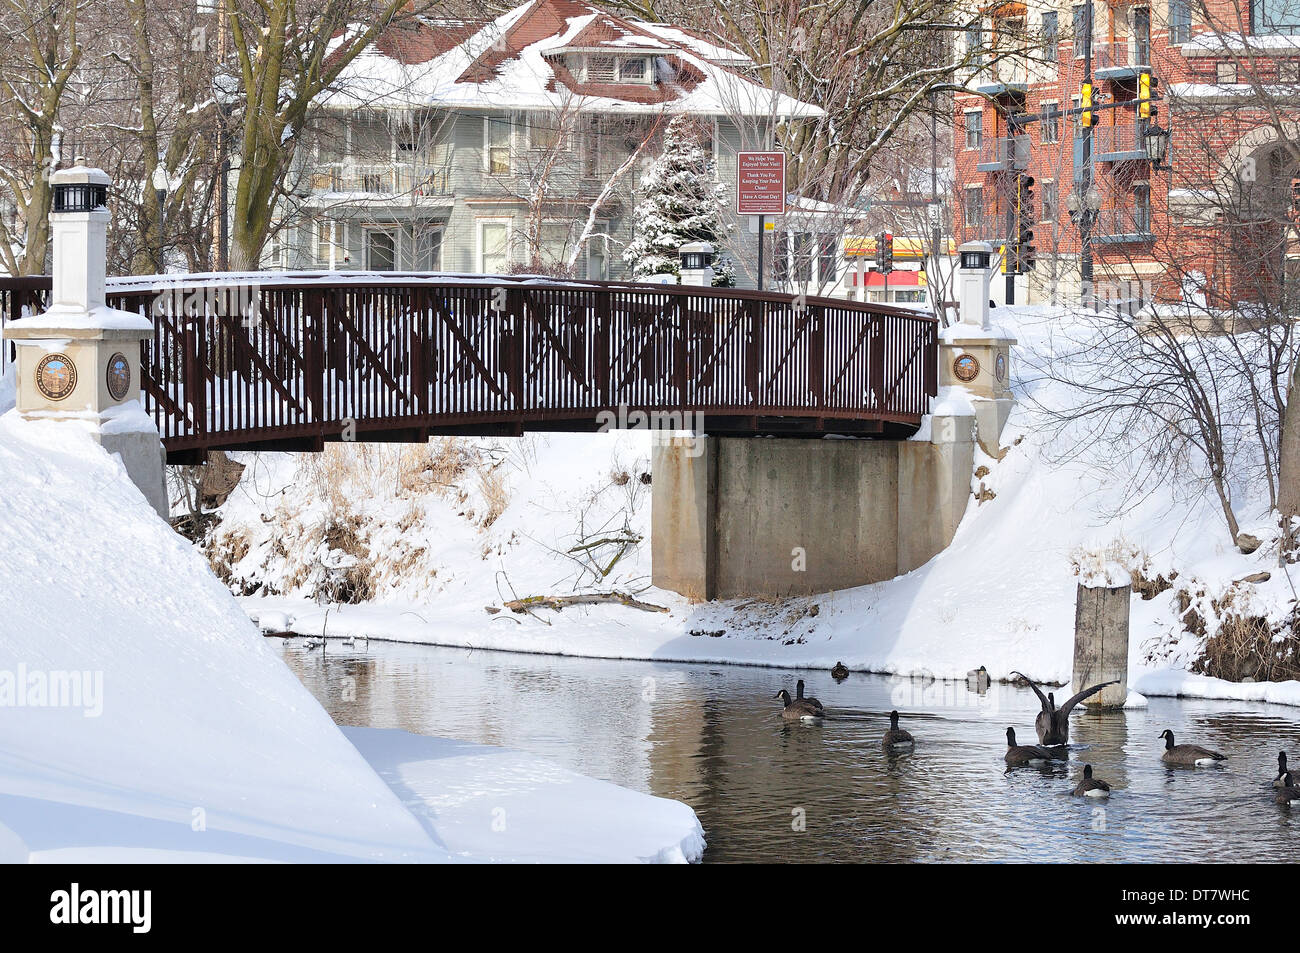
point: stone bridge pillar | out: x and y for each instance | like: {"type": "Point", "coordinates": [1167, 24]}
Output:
{"type": "Point", "coordinates": [79, 360]}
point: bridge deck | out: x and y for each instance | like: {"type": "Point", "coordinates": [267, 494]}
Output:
{"type": "Point", "coordinates": [296, 361]}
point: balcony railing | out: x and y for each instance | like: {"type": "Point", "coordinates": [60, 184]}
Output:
{"type": "Point", "coordinates": [1119, 143]}
{"type": "Point", "coordinates": [1121, 60]}
{"type": "Point", "coordinates": [1006, 152]}
{"type": "Point", "coordinates": [380, 179]}
{"type": "Point", "coordinates": [1118, 226]}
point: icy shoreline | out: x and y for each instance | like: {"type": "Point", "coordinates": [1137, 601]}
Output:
{"type": "Point", "coordinates": [402, 625]}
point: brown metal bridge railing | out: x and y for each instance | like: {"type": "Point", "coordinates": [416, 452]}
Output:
{"type": "Point", "coordinates": [234, 364]}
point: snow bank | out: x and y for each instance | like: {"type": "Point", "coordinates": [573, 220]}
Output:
{"type": "Point", "coordinates": [494, 804]}
{"type": "Point", "coordinates": [190, 739]}
{"type": "Point", "coordinates": [146, 720]}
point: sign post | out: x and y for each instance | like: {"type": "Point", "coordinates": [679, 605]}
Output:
{"type": "Point", "coordinates": [760, 191]}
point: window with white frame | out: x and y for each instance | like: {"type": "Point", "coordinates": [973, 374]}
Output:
{"type": "Point", "coordinates": [279, 247]}
{"type": "Point", "coordinates": [496, 145]}
{"type": "Point", "coordinates": [493, 246]}
{"type": "Point", "coordinates": [1225, 73]}
{"type": "Point", "coordinates": [607, 68]}
{"type": "Point", "coordinates": [974, 121]}
{"type": "Point", "coordinates": [1180, 22]}
{"type": "Point", "coordinates": [331, 240]}
{"type": "Point", "coordinates": [973, 207]}
{"type": "Point", "coordinates": [544, 131]}
{"type": "Point", "coordinates": [1051, 36]}
{"type": "Point", "coordinates": [1049, 123]}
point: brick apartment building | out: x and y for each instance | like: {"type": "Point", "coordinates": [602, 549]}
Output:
{"type": "Point", "coordinates": [1209, 223]}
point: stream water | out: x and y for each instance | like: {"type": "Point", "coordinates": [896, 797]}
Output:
{"type": "Point", "coordinates": [713, 736]}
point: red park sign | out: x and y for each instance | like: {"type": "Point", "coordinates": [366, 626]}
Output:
{"type": "Point", "coordinates": [760, 183]}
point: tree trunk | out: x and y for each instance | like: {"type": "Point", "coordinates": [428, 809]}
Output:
{"type": "Point", "coordinates": [1288, 494]}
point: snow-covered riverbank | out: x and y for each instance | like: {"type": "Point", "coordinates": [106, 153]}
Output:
{"type": "Point", "coordinates": [441, 538]}
{"type": "Point", "coordinates": [145, 719]}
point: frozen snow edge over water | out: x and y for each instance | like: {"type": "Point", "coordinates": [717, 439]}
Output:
{"type": "Point", "coordinates": [497, 805]}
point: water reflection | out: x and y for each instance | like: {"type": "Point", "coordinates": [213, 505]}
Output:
{"type": "Point", "coordinates": [768, 789]}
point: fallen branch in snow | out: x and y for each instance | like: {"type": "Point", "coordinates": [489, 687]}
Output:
{"type": "Point", "coordinates": [622, 540]}
{"type": "Point", "coordinates": [590, 598]}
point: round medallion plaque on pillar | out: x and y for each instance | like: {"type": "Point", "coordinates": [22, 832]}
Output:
{"type": "Point", "coordinates": [118, 376]}
{"type": "Point", "coordinates": [56, 376]}
{"type": "Point", "coordinates": [966, 368]}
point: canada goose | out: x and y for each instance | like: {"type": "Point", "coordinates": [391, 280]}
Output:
{"type": "Point", "coordinates": [1191, 756]}
{"type": "Point", "coordinates": [799, 697]}
{"type": "Point", "coordinates": [896, 737]}
{"type": "Point", "coordinates": [1287, 791]}
{"type": "Point", "coordinates": [839, 672]}
{"type": "Point", "coordinates": [1018, 755]}
{"type": "Point", "coordinates": [800, 709]}
{"type": "Point", "coordinates": [1280, 781]}
{"type": "Point", "coordinates": [1052, 723]}
{"type": "Point", "coordinates": [1090, 786]}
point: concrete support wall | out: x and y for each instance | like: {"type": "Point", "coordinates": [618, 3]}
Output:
{"type": "Point", "coordinates": [1101, 622]}
{"type": "Point", "coordinates": [776, 516]}
{"type": "Point", "coordinates": [683, 548]}
{"type": "Point", "coordinates": [802, 516]}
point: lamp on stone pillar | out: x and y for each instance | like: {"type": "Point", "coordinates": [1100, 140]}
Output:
{"type": "Point", "coordinates": [974, 355]}
{"type": "Point", "coordinates": [697, 264]}
{"type": "Point", "coordinates": [79, 360]}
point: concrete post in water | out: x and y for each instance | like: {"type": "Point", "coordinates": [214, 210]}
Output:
{"type": "Point", "coordinates": [79, 361]}
{"type": "Point", "coordinates": [1101, 621]}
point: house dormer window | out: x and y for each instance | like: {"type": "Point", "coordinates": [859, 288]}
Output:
{"type": "Point", "coordinates": [634, 69]}
{"type": "Point", "coordinates": [606, 69]}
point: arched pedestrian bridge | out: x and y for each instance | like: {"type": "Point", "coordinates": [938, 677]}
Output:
{"type": "Point", "coordinates": [276, 362]}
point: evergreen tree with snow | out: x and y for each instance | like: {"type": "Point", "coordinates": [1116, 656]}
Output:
{"type": "Point", "coordinates": [680, 203]}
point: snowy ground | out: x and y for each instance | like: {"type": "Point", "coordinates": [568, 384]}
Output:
{"type": "Point", "coordinates": [145, 719]}
{"type": "Point", "coordinates": [440, 553]}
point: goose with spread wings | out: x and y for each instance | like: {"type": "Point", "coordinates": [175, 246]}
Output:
{"type": "Point", "coordinates": [1052, 723]}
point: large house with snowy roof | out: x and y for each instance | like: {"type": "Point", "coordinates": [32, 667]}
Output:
{"type": "Point", "coordinates": [514, 144]}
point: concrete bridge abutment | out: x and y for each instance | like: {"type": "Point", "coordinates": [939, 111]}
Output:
{"type": "Point", "coordinates": [736, 516]}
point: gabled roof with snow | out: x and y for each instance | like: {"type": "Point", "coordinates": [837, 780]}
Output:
{"type": "Point", "coordinates": [520, 61]}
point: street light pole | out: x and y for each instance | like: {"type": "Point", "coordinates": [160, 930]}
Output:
{"type": "Point", "coordinates": [1086, 214]}
{"type": "Point", "coordinates": [160, 184]}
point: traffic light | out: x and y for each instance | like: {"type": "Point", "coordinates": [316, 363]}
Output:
{"type": "Point", "coordinates": [1023, 252]}
{"type": "Point", "coordinates": [885, 252]}
{"type": "Point", "coordinates": [1006, 260]}
{"type": "Point", "coordinates": [1085, 103]}
{"type": "Point", "coordinates": [1146, 85]}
